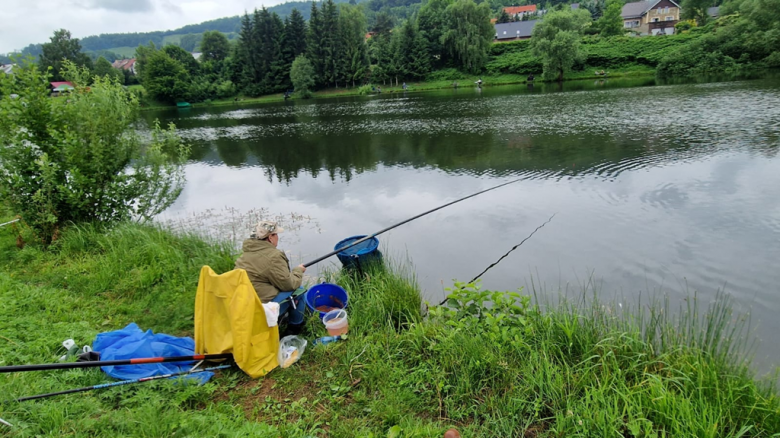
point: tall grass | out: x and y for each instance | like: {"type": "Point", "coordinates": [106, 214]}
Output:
{"type": "Point", "coordinates": [492, 364]}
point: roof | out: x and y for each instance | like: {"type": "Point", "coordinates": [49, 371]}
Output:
{"type": "Point", "coordinates": [713, 11]}
{"type": "Point", "coordinates": [124, 64]}
{"type": "Point", "coordinates": [575, 6]}
{"type": "Point", "coordinates": [61, 86]}
{"type": "Point", "coordinates": [638, 9]}
{"type": "Point", "coordinates": [7, 68]}
{"type": "Point", "coordinates": [518, 29]}
{"type": "Point", "coordinates": [512, 10]}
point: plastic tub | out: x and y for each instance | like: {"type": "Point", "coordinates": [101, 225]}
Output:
{"type": "Point", "coordinates": [325, 297]}
{"type": "Point", "coordinates": [336, 322]}
{"type": "Point", "coordinates": [360, 254]}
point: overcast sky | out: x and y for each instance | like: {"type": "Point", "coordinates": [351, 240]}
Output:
{"type": "Point", "coordinates": [23, 22]}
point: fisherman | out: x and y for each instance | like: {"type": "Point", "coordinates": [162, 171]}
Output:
{"type": "Point", "coordinates": [269, 271]}
{"type": "Point", "coordinates": [479, 83]}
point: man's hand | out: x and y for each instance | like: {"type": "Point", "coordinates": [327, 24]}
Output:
{"type": "Point", "coordinates": [303, 268]}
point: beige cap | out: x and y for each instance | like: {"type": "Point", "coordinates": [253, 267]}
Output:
{"type": "Point", "coordinates": [265, 228]}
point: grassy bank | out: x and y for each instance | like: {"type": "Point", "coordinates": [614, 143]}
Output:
{"type": "Point", "coordinates": [509, 369]}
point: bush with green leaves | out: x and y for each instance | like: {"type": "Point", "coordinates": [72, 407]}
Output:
{"type": "Point", "coordinates": [302, 76]}
{"type": "Point", "coordinates": [81, 158]}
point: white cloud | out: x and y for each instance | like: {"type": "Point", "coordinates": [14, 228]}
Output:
{"type": "Point", "coordinates": [25, 22]}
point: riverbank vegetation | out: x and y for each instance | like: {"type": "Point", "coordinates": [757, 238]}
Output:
{"type": "Point", "coordinates": [377, 45]}
{"type": "Point", "coordinates": [517, 367]}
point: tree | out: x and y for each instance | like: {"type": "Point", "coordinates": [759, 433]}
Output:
{"type": "Point", "coordinates": [164, 78]}
{"type": "Point", "coordinates": [214, 46]}
{"type": "Point", "coordinates": [696, 10]}
{"type": "Point", "coordinates": [302, 76]}
{"type": "Point", "coordinates": [296, 33]}
{"type": "Point", "coordinates": [332, 53]}
{"type": "Point", "coordinates": [469, 33]}
{"type": "Point", "coordinates": [432, 22]}
{"type": "Point", "coordinates": [557, 41]}
{"type": "Point", "coordinates": [62, 48]}
{"type": "Point", "coordinates": [611, 23]}
{"type": "Point", "coordinates": [82, 161]}
{"type": "Point", "coordinates": [184, 57]}
{"type": "Point", "coordinates": [352, 24]}
{"type": "Point", "coordinates": [315, 45]}
{"type": "Point", "coordinates": [503, 17]}
{"type": "Point", "coordinates": [142, 53]}
{"type": "Point", "coordinates": [383, 24]}
{"type": "Point", "coordinates": [104, 68]}
{"type": "Point", "coordinates": [413, 52]}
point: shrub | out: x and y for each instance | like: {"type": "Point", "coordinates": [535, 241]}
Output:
{"type": "Point", "coordinates": [365, 89]}
{"type": "Point", "coordinates": [81, 159]}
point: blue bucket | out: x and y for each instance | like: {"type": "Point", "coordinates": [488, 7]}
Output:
{"type": "Point", "coordinates": [360, 254]}
{"type": "Point", "coordinates": [332, 296]}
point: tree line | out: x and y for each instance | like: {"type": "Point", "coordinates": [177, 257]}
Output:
{"type": "Point", "coordinates": [445, 33]}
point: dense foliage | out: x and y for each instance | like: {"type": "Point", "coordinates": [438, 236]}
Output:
{"type": "Point", "coordinates": [60, 49]}
{"type": "Point", "coordinates": [747, 36]}
{"type": "Point", "coordinates": [81, 160]}
{"type": "Point", "coordinates": [557, 39]}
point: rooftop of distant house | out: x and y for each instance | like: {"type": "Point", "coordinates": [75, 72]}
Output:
{"type": "Point", "coordinates": [517, 29]}
{"type": "Point", "coordinates": [638, 9]}
{"type": "Point", "coordinates": [124, 64]}
{"type": "Point", "coordinates": [513, 10]}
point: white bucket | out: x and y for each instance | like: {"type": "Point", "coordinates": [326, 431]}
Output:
{"type": "Point", "coordinates": [336, 322]}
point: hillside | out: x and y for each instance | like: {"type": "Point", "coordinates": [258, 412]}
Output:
{"type": "Point", "coordinates": [187, 36]}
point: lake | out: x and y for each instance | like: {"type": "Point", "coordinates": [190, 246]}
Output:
{"type": "Point", "coordinates": [656, 189]}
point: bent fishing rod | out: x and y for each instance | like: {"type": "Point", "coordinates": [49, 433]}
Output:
{"type": "Point", "coordinates": [104, 363]}
{"type": "Point", "coordinates": [358, 242]}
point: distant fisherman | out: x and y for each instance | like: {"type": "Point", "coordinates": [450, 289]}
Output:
{"type": "Point", "coordinates": [269, 271]}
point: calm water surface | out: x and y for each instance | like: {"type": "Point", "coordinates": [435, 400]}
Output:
{"type": "Point", "coordinates": [657, 189]}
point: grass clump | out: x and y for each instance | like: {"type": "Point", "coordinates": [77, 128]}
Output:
{"type": "Point", "coordinates": [489, 363]}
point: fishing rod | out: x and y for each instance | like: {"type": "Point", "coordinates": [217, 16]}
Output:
{"type": "Point", "coordinates": [358, 242]}
{"type": "Point", "coordinates": [123, 382]}
{"type": "Point", "coordinates": [505, 255]}
{"type": "Point", "coordinates": [9, 223]}
{"type": "Point", "coordinates": [104, 363]}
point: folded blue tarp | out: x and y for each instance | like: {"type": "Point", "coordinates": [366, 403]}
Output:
{"type": "Point", "coordinates": [131, 342]}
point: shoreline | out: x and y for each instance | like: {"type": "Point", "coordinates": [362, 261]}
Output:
{"type": "Point", "coordinates": [490, 363]}
{"type": "Point", "coordinates": [414, 87]}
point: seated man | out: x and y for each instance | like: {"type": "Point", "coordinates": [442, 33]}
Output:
{"type": "Point", "coordinates": [269, 271]}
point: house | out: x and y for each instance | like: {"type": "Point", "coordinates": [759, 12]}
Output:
{"type": "Point", "coordinates": [58, 88]}
{"type": "Point", "coordinates": [197, 55]}
{"type": "Point", "coordinates": [651, 17]}
{"type": "Point", "coordinates": [7, 68]}
{"type": "Point", "coordinates": [517, 12]}
{"type": "Point", "coordinates": [125, 64]}
{"type": "Point", "coordinates": [518, 30]}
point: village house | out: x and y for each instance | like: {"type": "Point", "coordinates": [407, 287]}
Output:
{"type": "Point", "coordinates": [651, 17]}
{"type": "Point", "coordinates": [7, 68]}
{"type": "Point", "coordinates": [517, 12]}
{"type": "Point", "coordinates": [518, 30]}
{"type": "Point", "coordinates": [125, 64]}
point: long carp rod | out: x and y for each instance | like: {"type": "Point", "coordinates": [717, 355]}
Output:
{"type": "Point", "coordinates": [358, 242]}
{"type": "Point", "coordinates": [104, 363]}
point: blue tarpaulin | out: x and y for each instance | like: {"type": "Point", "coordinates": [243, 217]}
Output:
{"type": "Point", "coordinates": [131, 342]}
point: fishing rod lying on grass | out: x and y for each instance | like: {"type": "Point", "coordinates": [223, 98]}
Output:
{"type": "Point", "coordinates": [123, 382]}
{"type": "Point", "coordinates": [358, 242]}
{"type": "Point", "coordinates": [103, 363]}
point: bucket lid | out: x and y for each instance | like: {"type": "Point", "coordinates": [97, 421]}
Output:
{"type": "Point", "coordinates": [334, 314]}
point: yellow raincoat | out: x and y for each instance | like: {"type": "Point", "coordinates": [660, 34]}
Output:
{"type": "Point", "coordinates": [229, 317]}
